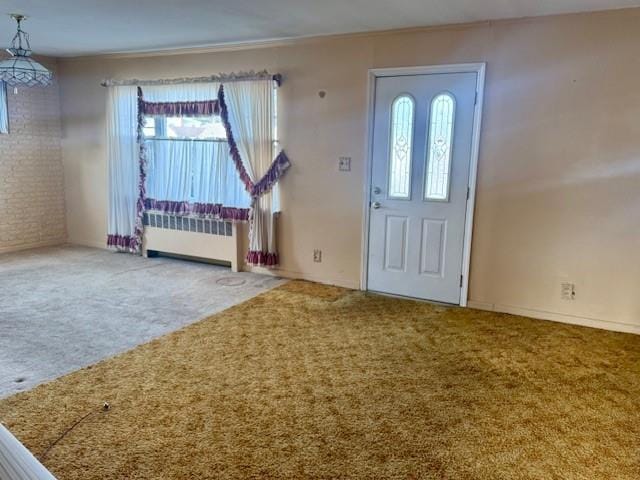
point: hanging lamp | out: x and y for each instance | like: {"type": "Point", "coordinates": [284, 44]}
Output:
{"type": "Point", "coordinates": [20, 69]}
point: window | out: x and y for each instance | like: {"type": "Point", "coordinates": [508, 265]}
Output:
{"type": "Point", "coordinates": [149, 127]}
{"type": "Point", "coordinates": [274, 119]}
{"type": "Point", "coordinates": [275, 192]}
{"type": "Point", "coordinates": [4, 109]}
{"type": "Point", "coordinates": [439, 148]}
{"type": "Point", "coordinates": [401, 145]}
{"type": "Point", "coordinates": [188, 158]}
{"type": "Point", "coordinates": [193, 128]}
{"type": "Point", "coordinates": [187, 148]}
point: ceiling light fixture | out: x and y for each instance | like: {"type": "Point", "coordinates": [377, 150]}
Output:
{"type": "Point", "coordinates": [20, 68]}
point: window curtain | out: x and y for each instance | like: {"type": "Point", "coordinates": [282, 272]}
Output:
{"type": "Point", "coordinates": [246, 108]}
{"type": "Point", "coordinates": [124, 229]}
{"type": "Point", "coordinates": [4, 109]}
{"type": "Point", "coordinates": [193, 176]}
{"type": "Point", "coordinates": [221, 183]}
{"type": "Point", "coordinates": [169, 167]}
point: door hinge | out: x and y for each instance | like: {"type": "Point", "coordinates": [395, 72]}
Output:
{"type": "Point", "coordinates": [468, 192]}
{"type": "Point", "coordinates": [461, 278]}
{"type": "Point", "coordinates": [475, 100]}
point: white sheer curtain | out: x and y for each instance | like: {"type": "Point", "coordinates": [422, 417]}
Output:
{"type": "Point", "coordinates": [216, 178]}
{"type": "Point", "coordinates": [169, 170]}
{"type": "Point", "coordinates": [124, 168]}
{"type": "Point", "coordinates": [250, 110]}
{"type": "Point", "coordinates": [193, 171]}
{"type": "Point", "coordinates": [4, 109]}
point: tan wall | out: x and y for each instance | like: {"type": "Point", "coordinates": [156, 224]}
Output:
{"type": "Point", "coordinates": [559, 171]}
{"type": "Point", "coordinates": [31, 174]}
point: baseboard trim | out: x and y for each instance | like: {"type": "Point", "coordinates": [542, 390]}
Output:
{"type": "Point", "coordinates": [89, 243]}
{"type": "Point", "coordinates": [277, 272]}
{"type": "Point", "coordinates": [556, 317]}
{"type": "Point", "coordinates": [274, 272]}
{"type": "Point", "coordinates": [30, 246]}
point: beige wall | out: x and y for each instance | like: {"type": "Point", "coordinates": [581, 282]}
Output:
{"type": "Point", "coordinates": [31, 174]}
{"type": "Point", "coordinates": [559, 170]}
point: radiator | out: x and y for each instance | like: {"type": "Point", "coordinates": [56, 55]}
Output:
{"type": "Point", "coordinates": [204, 238]}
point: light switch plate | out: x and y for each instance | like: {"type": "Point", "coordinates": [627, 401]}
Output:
{"type": "Point", "coordinates": [344, 164]}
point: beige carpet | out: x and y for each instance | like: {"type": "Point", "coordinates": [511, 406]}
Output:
{"type": "Point", "coordinates": [309, 381]}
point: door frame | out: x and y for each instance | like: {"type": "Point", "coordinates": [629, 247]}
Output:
{"type": "Point", "coordinates": [375, 73]}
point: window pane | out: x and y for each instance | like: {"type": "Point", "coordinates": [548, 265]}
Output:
{"type": "Point", "coordinates": [401, 143]}
{"type": "Point", "coordinates": [196, 127]}
{"type": "Point", "coordinates": [439, 148]}
{"type": "Point", "coordinates": [149, 127]}
{"type": "Point", "coordinates": [4, 110]}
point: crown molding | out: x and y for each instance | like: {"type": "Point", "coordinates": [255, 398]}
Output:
{"type": "Point", "coordinates": [272, 43]}
{"type": "Point", "coordinates": [310, 39]}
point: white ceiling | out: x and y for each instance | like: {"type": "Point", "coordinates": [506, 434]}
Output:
{"type": "Point", "coordinates": [80, 27]}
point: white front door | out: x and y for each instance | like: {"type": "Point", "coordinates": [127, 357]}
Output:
{"type": "Point", "coordinates": [422, 139]}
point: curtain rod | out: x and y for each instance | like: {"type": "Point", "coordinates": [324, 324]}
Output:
{"type": "Point", "coordinates": [179, 139]}
{"type": "Point", "coordinates": [222, 77]}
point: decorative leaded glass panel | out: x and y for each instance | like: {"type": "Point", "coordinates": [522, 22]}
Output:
{"type": "Point", "coordinates": [401, 143]}
{"type": "Point", "coordinates": [439, 148]}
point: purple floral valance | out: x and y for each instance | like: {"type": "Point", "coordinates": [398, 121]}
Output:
{"type": "Point", "coordinates": [213, 210]}
{"type": "Point", "coordinates": [123, 242]}
{"type": "Point", "coordinates": [262, 259]}
{"type": "Point", "coordinates": [276, 170]}
{"type": "Point", "coordinates": [180, 109]}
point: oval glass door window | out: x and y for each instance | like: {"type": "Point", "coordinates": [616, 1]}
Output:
{"type": "Point", "coordinates": [400, 147]}
{"type": "Point", "coordinates": [437, 178]}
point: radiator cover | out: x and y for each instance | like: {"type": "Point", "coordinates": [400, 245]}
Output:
{"type": "Point", "coordinates": [188, 224]}
{"type": "Point", "coordinates": [205, 238]}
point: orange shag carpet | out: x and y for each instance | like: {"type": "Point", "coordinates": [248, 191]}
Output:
{"type": "Point", "coordinates": [311, 381]}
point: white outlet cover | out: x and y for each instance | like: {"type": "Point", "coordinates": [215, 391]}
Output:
{"type": "Point", "coordinates": [567, 291]}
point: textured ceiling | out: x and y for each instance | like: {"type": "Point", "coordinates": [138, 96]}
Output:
{"type": "Point", "coordinates": [72, 27]}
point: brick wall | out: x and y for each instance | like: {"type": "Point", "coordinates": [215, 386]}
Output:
{"type": "Point", "coordinates": [32, 211]}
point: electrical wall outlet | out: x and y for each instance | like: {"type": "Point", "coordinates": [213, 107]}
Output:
{"type": "Point", "coordinates": [567, 291]}
{"type": "Point", "coordinates": [344, 164]}
{"type": "Point", "coordinates": [317, 256]}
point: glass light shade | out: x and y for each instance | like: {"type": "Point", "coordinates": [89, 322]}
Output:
{"type": "Point", "coordinates": [23, 70]}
